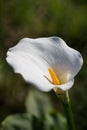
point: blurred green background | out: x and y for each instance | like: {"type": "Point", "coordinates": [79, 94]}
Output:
{"type": "Point", "coordinates": [39, 18]}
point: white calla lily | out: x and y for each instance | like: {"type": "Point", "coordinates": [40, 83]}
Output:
{"type": "Point", "coordinates": [41, 61]}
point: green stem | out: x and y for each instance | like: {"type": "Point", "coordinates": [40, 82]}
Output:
{"type": "Point", "coordinates": [67, 108]}
{"type": "Point", "coordinates": [68, 112]}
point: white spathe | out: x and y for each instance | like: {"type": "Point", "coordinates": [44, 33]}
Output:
{"type": "Point", "coordinates": [32, 58]}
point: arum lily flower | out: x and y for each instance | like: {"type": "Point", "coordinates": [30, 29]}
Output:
{"type": "Point", "coordinates": [47, 63]}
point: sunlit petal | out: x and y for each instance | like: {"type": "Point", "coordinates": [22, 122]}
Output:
{"type": "Point", "coordinates": [33, 57]}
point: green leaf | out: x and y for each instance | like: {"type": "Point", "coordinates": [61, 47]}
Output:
{"type": "Point", "coordinates": [38, 103]}
{"type": "Point", "coordinates": [17, 122]}
{"type": "Point", "coordinates": [26, 121]}
{"type": "Point", "coordinates": [59, 121]}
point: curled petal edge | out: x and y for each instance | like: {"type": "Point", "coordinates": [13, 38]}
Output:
{"type": "Point", "coordinates": [66, 86]}
{"type": "Point", "coordinates": [63, 87]}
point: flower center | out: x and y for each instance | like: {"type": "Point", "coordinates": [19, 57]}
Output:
{"type": "Point", "coordinates": [55, 79]}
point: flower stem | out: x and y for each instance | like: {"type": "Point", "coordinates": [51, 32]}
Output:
{"type": "Point", "coordinates": [67, 108]}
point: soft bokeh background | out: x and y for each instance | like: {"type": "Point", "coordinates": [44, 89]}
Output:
{"type": "Point", "coordinates": [39, 18]}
